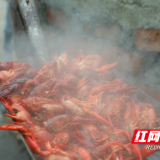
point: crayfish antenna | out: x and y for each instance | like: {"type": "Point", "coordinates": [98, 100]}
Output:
{"type": "Point", "coordinates": [105, 67]}
{"type": "Point", "coordinates": [9, 101]}
{"type": "Point", "coordinates": [78, 139]}
{"type": "Point", "coordinates": [23, 103]}
{"type": "Point", "coordinates": [4, 102]}
{"type": "Point", "coordinates": [35, 147]}
{"type": "Point", "coordinates": [7, 104]}
{"type": "Point", "coordinates": [15, 117]}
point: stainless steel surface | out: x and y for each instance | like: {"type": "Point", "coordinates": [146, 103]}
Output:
{"type": "Point", "coordinates": [139, 94]}
{"type": "Point", "coordinates": [28, 149]}
{"type": "Point", "coordinates": [31, 22]}
{"type": "Point", "coordinates": [11, 146]}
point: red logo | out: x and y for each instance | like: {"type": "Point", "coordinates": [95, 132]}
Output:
{"type": "Point", "coordinates": [146, 136]}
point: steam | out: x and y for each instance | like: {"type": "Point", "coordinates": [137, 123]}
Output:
{"type": "Point", "coordinates": [88, 15]}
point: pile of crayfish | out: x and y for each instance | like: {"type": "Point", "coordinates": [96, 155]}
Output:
{"type": "Point", "coordinates": [74, 109]}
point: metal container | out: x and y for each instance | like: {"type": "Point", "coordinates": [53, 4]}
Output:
{"type": "Point", "coordinates": [138, 96]}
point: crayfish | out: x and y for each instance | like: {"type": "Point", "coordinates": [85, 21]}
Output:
{"type": "Point", "coordinates": [74, 109]}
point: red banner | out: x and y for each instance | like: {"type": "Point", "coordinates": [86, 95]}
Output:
{"type": "Point", "coordinates": [142, 136]}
